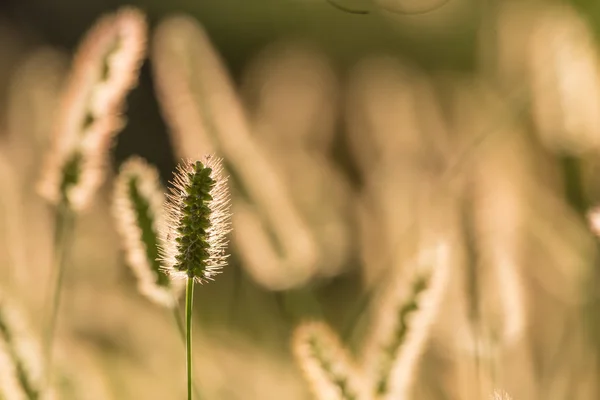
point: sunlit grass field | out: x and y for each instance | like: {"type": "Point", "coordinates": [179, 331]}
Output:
{"type": "Point", "coordinates": [375, 231]}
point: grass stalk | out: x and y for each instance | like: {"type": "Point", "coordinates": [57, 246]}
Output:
{"type": "Point", "coordinates": [182, 334]}
{"type": "Point", "coordinates": [63, 234]}
{"type": "Point", "coordinates": [189, 299]}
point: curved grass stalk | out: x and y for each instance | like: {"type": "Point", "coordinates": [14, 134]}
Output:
{"type": "Point", "coordinates": [204, 114]}
{"type": "Point", "coordinates": [295, 127]}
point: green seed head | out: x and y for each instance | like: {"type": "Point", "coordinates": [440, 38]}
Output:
{"type": "Point", "coordinates": [198, 221]}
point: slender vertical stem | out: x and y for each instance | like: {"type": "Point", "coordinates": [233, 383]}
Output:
{"type": "Point", "coordinates": [189, 299]}
{"type": "Point", "coordinates": [182, 334]}
{"type": "Point", "coordinates": [62, 241]}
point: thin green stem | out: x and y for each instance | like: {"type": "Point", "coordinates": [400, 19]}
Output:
{"type": "Point", "coordinates": [189, 299]}
{"type": "Point", "coordinates": [63, 233]}
{"type": "Point", "coordinates": [181, 329]}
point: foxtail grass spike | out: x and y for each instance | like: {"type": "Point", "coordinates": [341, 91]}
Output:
{"type": "Point", "coordinates": [138, 212]}
{"type": "Point", "coordinates": [105, 69]}
{"type": "Point", "coordinates": [21, 367]}
{"type": "Point", "coordinates": [403, 325]}
{"type": "Point", "coordinates": [198, 221]}
{"type": "Point", "coordinates": [325, 364]}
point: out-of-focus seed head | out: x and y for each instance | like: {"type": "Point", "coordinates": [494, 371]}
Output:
{"type": "Point", "coordinates": [139, 216]}
{"type": "Point", "coordinates": [105, 69]}
{"type": "Point", "coordinates": [326, 364]}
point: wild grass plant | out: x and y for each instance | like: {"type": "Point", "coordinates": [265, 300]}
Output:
{"type": "Point", "coordinates": [447, 252]}
{"type": "Point", "coordinates": [195, 237]}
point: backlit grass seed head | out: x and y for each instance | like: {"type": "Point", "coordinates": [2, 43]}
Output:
{"type": "Point", "coordinates": [198, 221]}
{"type": "Point", "coordinates": [325, 364]}
{"type": "Point", "coordinates": [139, 217]}
{"type": "Point", "coordinates": [23, 351]}
{"type": "Point", "coordinates": [403, 324]}
{"type": "Point", "coordinates": [104, 70]}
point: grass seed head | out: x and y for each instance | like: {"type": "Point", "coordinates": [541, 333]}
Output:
{"type": "Point", "coordinates": [138, 212]}
{"type": "Point", "coordinates": [104, 70]}
{"type": "Point", "coordinates": [325, 364]}
{"type": "Point", "coordinates": [198, 221]}
{"type": "Point", "coordinates": [403, 325]}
